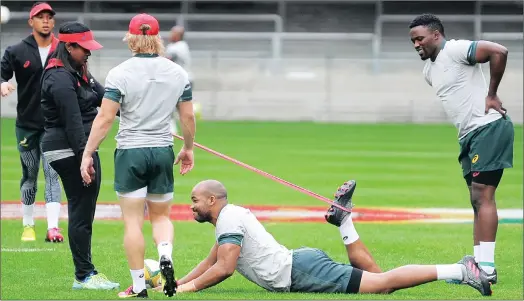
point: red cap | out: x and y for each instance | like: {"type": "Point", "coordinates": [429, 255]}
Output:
{"type": "Point", "coordinates": [40, 8]}
{"type": "Point", "coordinates": [139, 20]}
{"type": "Point", "coordinates": [84, 39]}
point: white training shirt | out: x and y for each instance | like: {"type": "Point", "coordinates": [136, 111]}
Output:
{"type": "Point", "coordinates": [44, 52]}
{"type": "Point", "coordinates": [148, 88]}
{"type": "Point", "coordinates": [460, 85]}
{"type": "Point", "coordinates": [262, 259]}
{"type": "Point", "coordinates": [179, 53]}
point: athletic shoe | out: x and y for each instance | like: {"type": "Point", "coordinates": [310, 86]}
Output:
{"type": "Point", "coordinates": [168, 276]}
{"type": "Point", "coordinates": [54, 235]}
{"type": "Point", "coordinates": [493, 277]}
{"type": "Point", "coordinates": [475, 276]}
{"type": "Point", "coordinates": [128, 293]}
{"type": "Point", "coordinates": [343, 197]}
{"type": "Point", "coordinates": [95, 282]}
{"type": "Point", "coordinates": [29, 233]}
{"type": "Point", "coordinates": [454, 281]}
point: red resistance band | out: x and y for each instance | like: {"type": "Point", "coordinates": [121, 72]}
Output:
{"type": "Point", "coordinates": [76, 37]}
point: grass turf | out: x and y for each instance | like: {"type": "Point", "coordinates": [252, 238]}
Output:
{"type": "Point", "coordinates": [394, 165]}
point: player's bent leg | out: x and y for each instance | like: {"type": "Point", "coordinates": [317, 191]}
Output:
{"type": "Point", "coordinates": [132, 205]}
{"type": "Point", "coordinates": [358, 254]}
{"type": "Point", "coordinates": [159, 206]}
{"type": "Point", "coordinates": [53, 198]}
{"type": "Point", "coordinates": [30, 161]}
{"type": "Point", "coordinates": [360, 257]}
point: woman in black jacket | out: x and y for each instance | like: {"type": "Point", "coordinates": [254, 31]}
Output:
{"type": "Point", "coordinates": [70, 97]}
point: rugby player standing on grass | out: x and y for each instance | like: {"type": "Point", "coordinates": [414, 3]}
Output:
{"type": "Point", "coordinates": [147, 89]}
{"type": "Point", "coordinates": [485, 131]}
{"type": "Point", "coordinates": [26, 60]}
{"type": "Point", "coordinates": [243, 244]}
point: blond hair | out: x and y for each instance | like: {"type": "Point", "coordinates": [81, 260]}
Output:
{"type": "Point", "coordinates": [145, 43]}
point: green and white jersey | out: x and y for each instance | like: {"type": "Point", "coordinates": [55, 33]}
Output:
{"type": "Point", "coordinates": [262, 259]}
{"type": "Point", "coordinates": [460, 85]}
{"type": "Point", "coordinates": [148, 88]}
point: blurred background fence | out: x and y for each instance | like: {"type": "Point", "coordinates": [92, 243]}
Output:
{"type": "Point", "coordinates": [337, 60]}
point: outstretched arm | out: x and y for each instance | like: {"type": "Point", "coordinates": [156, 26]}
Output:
{"type": "Point", "coordinates": [224, 267]}
{"type": "Point", "coordinates": [202, 267]}
{"type": "Point", "coordinates": [497, 56]}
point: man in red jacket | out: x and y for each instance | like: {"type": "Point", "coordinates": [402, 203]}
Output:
{"type": "Point", "coordinates": [26, 60]}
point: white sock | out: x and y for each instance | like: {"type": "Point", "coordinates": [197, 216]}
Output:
{"type": "Point", "coordinates": [449, 272]}
{"type": "Point", "coordinates": [139, 280]}
{"type": "Point", "coordinates": [476, 252]}
{"type": "Point", "coordinates": [165, 248]}
{"type": "Point", "coordinates": [487, 256]}
{"type": "Point", "coordinates": [53, 214]}
{"type": "Point", "coordinates": [28, 215]}
{"type": "Point", "coordinates": [347, 231]}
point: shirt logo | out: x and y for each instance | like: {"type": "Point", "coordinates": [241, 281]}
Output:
{"type": "Point", "coordinates": [24, 142]}
{"type": "Point", "coordinates": [26, 64]}
{"type": "Point", "coordinates": [475, 159]}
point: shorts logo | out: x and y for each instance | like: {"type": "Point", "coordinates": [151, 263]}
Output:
{"type": "Point", "coordinates": [475, 174]}
{"type": "Point", "coordinates": [24, 142]}
{"type": "Point", "coordinates": [26, 64]}
{"type": "Point", "coordinates": [475, 159]}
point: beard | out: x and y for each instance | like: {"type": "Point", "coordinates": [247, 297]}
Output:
{"type": "Point", "coordinates": [44, 35]}
{"type": "Point", "coordinates": [203, 217]}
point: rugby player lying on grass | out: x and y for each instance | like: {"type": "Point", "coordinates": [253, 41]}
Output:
{"type": "Point", "coordinates": [243, 244]}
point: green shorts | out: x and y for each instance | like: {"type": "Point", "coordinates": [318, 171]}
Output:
{"type": "Point", "coordinates": [488, 148]}
{"type": "Point", "coordinates": [313, 271]}
{"type": "Point", "coordinates": [150, 167]}
{"type": "Point", "coordinates": [28, 139]}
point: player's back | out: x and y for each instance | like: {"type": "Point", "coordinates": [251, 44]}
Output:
{"type": "Point", "coordinates": [262, 259]}
{"type": "Point", "coordinates": [152, 87]}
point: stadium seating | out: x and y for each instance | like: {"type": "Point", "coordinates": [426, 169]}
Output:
{"type": "Point", "coordinates": [315, 79]}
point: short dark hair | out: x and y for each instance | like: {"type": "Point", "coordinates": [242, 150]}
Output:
{"type": "Point", "coordinates": [61, 52]}
{"type": "Point", "coordinates": [428, 20]}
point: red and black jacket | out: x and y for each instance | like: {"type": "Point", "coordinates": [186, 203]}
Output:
{"type": "Point", "coordinates": [69, 106]}
{"type": "Point", "coordinates": [23, 60]}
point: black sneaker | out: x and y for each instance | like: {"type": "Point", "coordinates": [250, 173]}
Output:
{"type": "Point", "coordinates": [168, 276]}
{"type": "Point", "coordinates": [475, 276]}
{"type": "Point", "coordinates": [343, 196]}
{"type": "Point", "coordinates": [128, 293]}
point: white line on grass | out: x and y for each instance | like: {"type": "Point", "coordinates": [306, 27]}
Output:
{"type": "Point", "coordinates": [26, 250]}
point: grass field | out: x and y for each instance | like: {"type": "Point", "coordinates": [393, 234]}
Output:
{"type": "Point", "coordinates": [408, 166]}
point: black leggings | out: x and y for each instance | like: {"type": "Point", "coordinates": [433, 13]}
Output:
{"type": "Point", "coordinates": [81, 205]}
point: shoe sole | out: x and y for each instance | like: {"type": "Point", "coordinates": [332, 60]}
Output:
{"type": "Point", "coordinates": [348, 186]}
{"type": "Point", "coordinates": [28, 239]}
{"type": "Point", "coordinates": [54, 240]}
{"type": "Point", "coordinates": [168, 275]}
